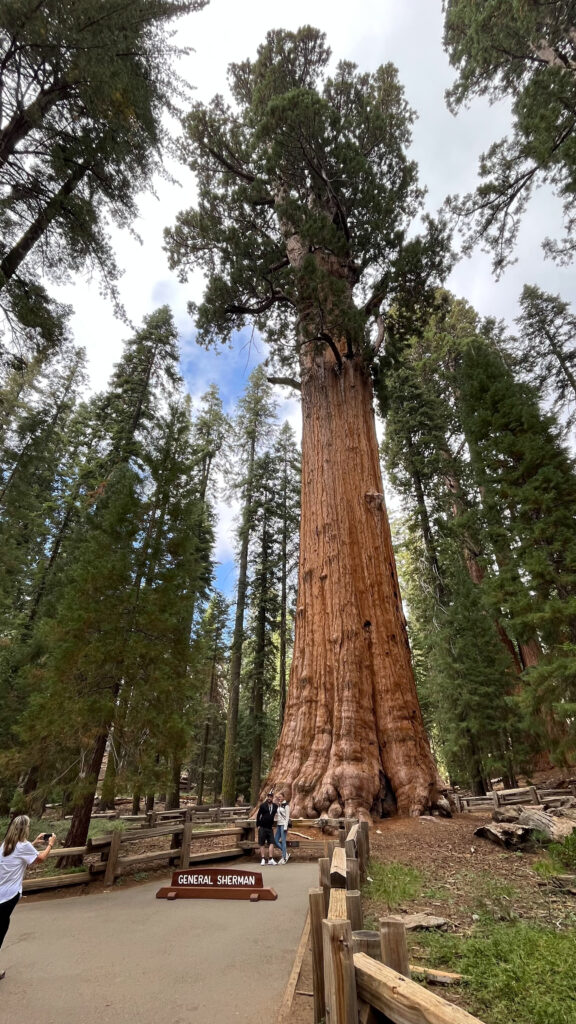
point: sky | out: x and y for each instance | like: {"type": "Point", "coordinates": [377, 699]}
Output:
{"type": "Point", "coordinates": [446, 148]}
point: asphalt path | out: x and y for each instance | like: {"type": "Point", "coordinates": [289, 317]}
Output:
{"type": "Point", "coordinates": [123, 956]}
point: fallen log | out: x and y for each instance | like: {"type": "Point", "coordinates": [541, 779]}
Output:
{"type": "Point", "coordinates": [515, 835]}
{"type": "Point", "coordinates": [539, 821]}
{"type": "Point", "coordinates": [505, 834]}
{"type": "Point", "coordinates": [420, 922]}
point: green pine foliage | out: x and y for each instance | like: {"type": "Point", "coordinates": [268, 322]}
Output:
{"type": "Point", "coordinates": [304, 192]}
{"type": "Point", "coordinates": [83, 94]}
{"type": "Point", "coordinates": [488, 560]}
{"type": "Point", "coordinates": [523, 50]}
{"type": "Point", "coordinates": [546, 349]}
{"type": "Point", "coordinates": [252, 427]}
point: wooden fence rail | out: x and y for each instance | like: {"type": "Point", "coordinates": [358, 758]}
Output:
{"type": "Point", "coordinates": [359, 975]}
{"type": "Point", "coordinates": [522, 795]}
{"type": "Point", "coordinates": [181, 828]}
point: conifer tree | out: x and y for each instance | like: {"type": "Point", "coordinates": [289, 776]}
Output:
{"type": "Point", "coordinates": [287, 471]}
{"type": "Point", "coordinates": [305, 198]}
{"type": "Point", "coordinates": [546, 348]}
{"type": "Point", "coordinates": [491, 488]}
{"type": "Point", "coordinates": [528, 482]}
{"type": "Point", "coordinates": [464, 671]}
{"type": "Point", "coordinates": [213, 666]}
{"type": "Point", "coordinates": [82, 97]}
{"type": "Point", "coordinates": [94, 607]}
{"type": "Point", "coordinates": [261, 648]}
{"type": "Point", "coordinates": [252, 429]}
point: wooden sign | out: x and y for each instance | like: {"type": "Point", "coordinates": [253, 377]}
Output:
{"type": "Point", "coordinates": [217, 884]}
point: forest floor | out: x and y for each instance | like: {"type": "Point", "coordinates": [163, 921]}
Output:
{"type": "Point", "coordinates": [492, 900]}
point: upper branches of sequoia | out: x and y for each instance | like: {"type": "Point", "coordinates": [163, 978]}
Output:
{"type": "Point", "coordinates": [305, 197]}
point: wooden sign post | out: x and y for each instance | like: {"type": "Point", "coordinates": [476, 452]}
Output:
{"type": "Point", "coordinates": [201, 883]}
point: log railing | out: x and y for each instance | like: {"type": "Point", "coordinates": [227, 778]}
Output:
{"type": "Point", "coordinates": [115, 858]}
{"type": "Point", "coordinates": [180, 827]}
{"type": "Point", "coordinates": [356, 972]}
{"type": "Point", "coordinates": [521, 795]}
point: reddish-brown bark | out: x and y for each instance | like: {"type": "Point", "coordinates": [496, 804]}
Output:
{"type": "Point", "coordinates": [352, 727]}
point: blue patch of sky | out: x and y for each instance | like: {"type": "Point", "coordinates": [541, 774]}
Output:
{"type": "Point", "coordinates": [227, 365]}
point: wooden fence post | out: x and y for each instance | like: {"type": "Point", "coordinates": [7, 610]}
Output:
{"type": "Point", "coordinates": [367, 942]}
{"type": "Point", "coordinates": [354, 909]}
{"type": "Point", "coordinates": [338, 869]}
{"type": "Point", "coordinates": [186, 840]}
{"type": "Point", "coordinates": [394, 948]}
{"type": "Point", "coordinates": [324, 880]}
{"type": "Point", "coordinates": [112, 861]}
{"type": "Point", "coordinates": [352, 873]}
{"type": "Point", "coordinates": [339, 973]}
{"type": "Point", "coordinates": [316, 904]}
{"type": "Point", "coordinates": [350, 847]}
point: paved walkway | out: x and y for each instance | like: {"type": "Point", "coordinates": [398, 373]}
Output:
{"type": "Point", "coordinates": [123, 956]}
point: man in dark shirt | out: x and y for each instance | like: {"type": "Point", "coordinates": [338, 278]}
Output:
{"type": "Point", "coordinates": [265, 825]}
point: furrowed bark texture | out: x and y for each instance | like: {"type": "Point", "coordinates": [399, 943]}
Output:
{"type": "Point", "coordinates": [352, 724]}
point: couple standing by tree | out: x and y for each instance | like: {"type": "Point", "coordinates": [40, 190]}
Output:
{"type": "Point", "coordinates": [272, 813]}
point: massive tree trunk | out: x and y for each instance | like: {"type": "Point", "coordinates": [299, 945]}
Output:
{"type": "Point", "coordinates": [352, 720]}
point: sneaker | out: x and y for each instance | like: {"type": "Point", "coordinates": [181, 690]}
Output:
{"type": "Point", "coordinates": [271, 861]}
{"type": "Point", "coordinates": [282, 861]}
{"type": "Point", "coordinates": [262, 861]}
{"type": "Point", "coordinates": [287, 858]}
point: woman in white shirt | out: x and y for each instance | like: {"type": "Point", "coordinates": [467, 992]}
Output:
{"type": "Point", "coordinates": [282, 820]}
{"type": "Point", "coordinates": [17, 854]}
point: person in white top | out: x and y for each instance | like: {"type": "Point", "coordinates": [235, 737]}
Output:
{"type": "Point", "coordinates": [17, 854]}
{"type": "Point", "coordinates": [282, 821]}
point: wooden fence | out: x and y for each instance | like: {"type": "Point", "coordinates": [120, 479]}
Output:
{"type": "Point", "coordinates": [180, 827]}
{"type": "Point", "coordinates": [506, 797]}
{"type": "Point", "coordinates": [360, 975]}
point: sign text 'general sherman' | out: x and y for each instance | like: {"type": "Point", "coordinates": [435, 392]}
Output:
{"type": "Point", "coordinates": [254, 880]}
{"type": "Point", "coordinates": [217, 883]}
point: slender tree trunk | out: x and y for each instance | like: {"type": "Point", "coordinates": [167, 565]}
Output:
{"type": "Point", "coordinates": [561, 359]}
{"type": "Point", "coordinates": [207, 725]}
{"type": "Point", "coordinates": [427, 532]}
{"type": "Point", "coordinates": [258, 695]}
{"type": "Point", "coordinates": [108, 796]}
{"type": "Point", "coordinates": [230, 753]}
{"type": "Point", "coordinates": [352, 711]}
{"type": "Point", "coordinates": [26, 119]}
{"type": "Point", "coordinates": [78, 831]}
{"type": "Point", "coordinates": [173, 797]}
{"type": "Point", "coordinates": [38, 227]}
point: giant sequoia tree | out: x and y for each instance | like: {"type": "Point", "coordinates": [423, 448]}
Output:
{"type": "Point", "coordinates": [305, 197]}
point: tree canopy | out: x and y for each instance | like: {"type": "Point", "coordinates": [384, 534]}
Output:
{"type": "Point", "coordinates": [524, 50]}
{"type": "Point", "coordinates": [83, 90]}
{"type": "Point", "coordinates": [305, 197]}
